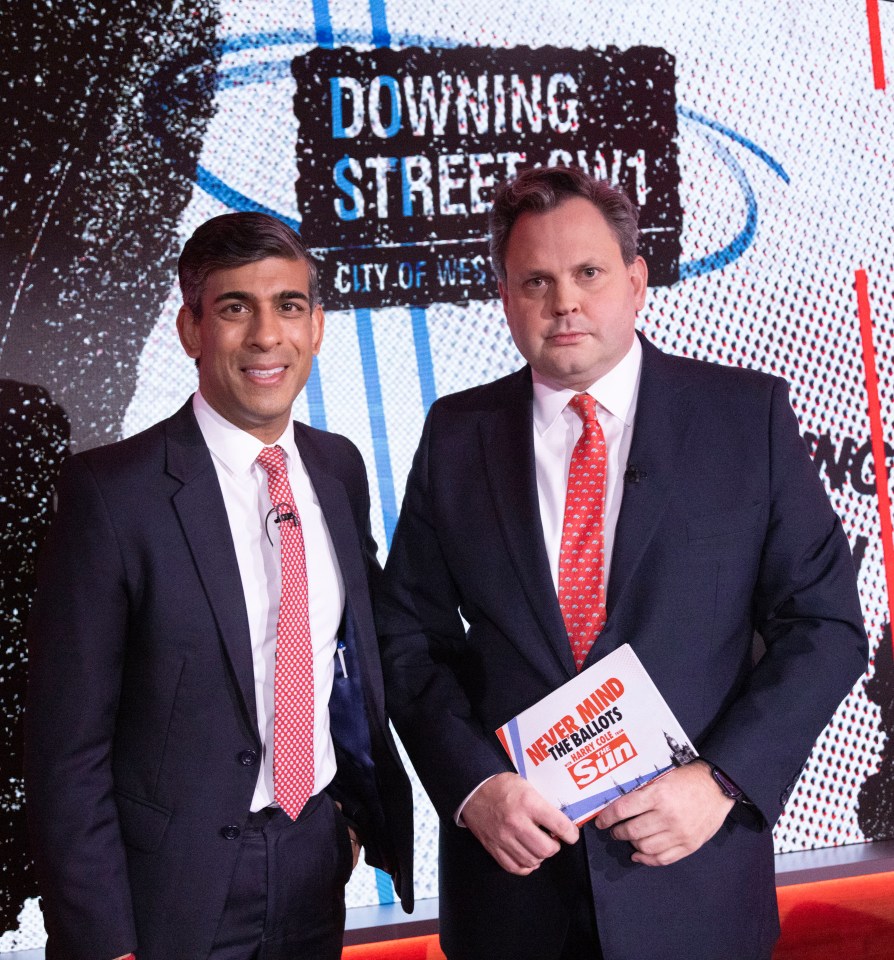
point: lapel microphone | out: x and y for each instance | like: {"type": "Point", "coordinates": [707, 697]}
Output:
{"type": "Point", "coordinates": [633, 474]}
{"type": "Point", "coordinates": [283, 515]}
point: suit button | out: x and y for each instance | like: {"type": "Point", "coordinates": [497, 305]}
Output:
{"type": "Point", "coordinates": [248, 758]}
{"type": "Point", "coordinates": [231, 832]}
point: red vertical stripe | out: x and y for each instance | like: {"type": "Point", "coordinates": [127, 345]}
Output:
{"type": "Point", "coordinates": [877, 434]}
{"type": "Point", "coordinates": [875, 44]}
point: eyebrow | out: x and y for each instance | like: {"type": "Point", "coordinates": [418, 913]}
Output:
{"type": "Point", "coordinates": [241, 295]}
{"type": "Point", "coordinates": [544, 272]}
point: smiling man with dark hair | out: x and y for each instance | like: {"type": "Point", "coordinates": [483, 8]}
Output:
{"type": "Point", "coordinates": [206, 741]}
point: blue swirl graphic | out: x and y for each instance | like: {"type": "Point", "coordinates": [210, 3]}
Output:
{"type": "Point", "coordinates": [726, 255]}
{"type": "Point", "coordinates": [774, 165]}
{"type": "Point", "coordinates": [232, 198]}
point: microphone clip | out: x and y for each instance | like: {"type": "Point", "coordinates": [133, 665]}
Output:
{"type": "Point", "coordinates": [281, 513]}
{"type": "Point", "coordinates": [284, 514]}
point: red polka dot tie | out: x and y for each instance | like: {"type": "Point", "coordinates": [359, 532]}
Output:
{"type": "Point", "coordinates": [581, 559]}
{"type": "Point", "coordinates": [293, 681]}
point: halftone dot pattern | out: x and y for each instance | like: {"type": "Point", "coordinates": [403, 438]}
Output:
{"type": "Point", "coordinates": [785, 305]}
{"type": "Point", "coordinates": [293, 682]}
{"type": "Point", "coordinates": [30, 932]}
{"type": "Point", "coordinates": [470, 344]}
{"type": "Point", "coordinates": [582, 554]}
{"type": "Point", "coordinates": [799, 86]}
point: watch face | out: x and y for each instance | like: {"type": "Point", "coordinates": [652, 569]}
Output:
{"type": "Point", "coordinates": [725, 784]}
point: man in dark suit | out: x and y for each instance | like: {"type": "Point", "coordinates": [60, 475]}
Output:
{"type": "Point", "coordinates": [709, 524]}
{"type": "Point", "coordinates": [206, 736]}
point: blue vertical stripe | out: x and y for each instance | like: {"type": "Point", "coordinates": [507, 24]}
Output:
{"type": "Point", "coordinates": [377, 420]}
{"type": "Point", "coordinates": [314, 390]}
{"type": "Point", "coordinates": [515, 739]}
{"type": "Point", "coordinates": [384, 887]}
{"type": "Point", "coordinates": [323, 23]}
{"type": "Point", "coordinates": [381, 38]}
{"type": "Point", "coordinates": [424, 362]}
{"type": "Point", "coordinates": [381, 34]}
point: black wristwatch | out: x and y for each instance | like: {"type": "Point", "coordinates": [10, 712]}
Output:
{"type": "Point", "coordinates": [729, 788]}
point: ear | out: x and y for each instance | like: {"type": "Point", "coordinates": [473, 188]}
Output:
{"type": "Point", "coordinates": [189, 333]}
{"type": "Point", "coordinates": [318, 322]}
{"type": "Point", "coordinates": [639, 279]}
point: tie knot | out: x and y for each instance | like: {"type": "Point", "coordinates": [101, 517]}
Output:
{"type": "Point", "coordinates": [273, 460]}
{"type": "Point", "coordinates": [584, 406]}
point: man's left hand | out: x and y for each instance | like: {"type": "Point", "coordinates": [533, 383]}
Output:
{"type": "Point", "coordinates": [356, 845]}
{"type": "Point", "coordinates": [670, 818]}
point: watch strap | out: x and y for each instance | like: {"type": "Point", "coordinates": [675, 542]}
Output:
{"type": "Point", "coordinates": [728, 786]}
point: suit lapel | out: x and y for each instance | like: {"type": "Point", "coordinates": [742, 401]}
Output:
{"type": "Point", "coordinates": [659, 436]}
{"type": "Point", "coordinates": [343, 530]}
{"type": "Point", "coordinates": [507, 441]}
{"type": "Point", "coordinates": [336, 506]}
{"type": "Point", "coordinates": [203, 517]}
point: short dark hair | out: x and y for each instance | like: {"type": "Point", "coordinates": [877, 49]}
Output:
{"type": "Point", "coordinates": [234, 240]}
{"type": "Point", "coordinates": [542, 189]}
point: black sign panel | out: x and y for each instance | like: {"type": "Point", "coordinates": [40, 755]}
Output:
{"type": "Point", "coordinates": [399, 152]}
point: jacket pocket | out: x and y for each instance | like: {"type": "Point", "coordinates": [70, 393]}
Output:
{"type": "Point", "coordinates": [143, 824]}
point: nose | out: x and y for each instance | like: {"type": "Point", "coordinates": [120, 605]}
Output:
{"type": "Point", "coordinates": [265, 331]}
{"type": "Point", "coordinates": [565, 298]}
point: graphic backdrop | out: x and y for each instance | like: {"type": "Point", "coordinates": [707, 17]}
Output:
{"type": "Point", "coordinates": [757, 140]}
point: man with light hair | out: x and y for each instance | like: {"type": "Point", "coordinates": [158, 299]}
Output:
{"type": "Point", "coordinates": [674, 502]}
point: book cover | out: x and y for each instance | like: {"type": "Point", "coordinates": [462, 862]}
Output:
{"type": "Point", "coordinates": [604, 733]}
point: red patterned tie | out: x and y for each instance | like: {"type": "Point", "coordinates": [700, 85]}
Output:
{"type": "Point", "coordinates": [293, 682]}
{"type": "Point", "coordinates": [581, 560]}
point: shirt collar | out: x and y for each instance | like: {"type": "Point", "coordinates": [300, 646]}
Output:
{"type": "Point", "coordinates": [615, 392]}
{"type": "Point", "coordinates": [234, 447]}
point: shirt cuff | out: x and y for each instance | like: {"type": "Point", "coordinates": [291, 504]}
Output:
{"type": "Point", "coordinates": [458, 816]}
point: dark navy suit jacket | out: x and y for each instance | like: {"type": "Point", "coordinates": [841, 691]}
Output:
{"type": "Point", "coordinates": [141, 719]}
{"type": "Point", "coordinates": [727, 531]}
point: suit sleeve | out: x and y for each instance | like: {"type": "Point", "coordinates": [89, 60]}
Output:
{"type": "Point", "coordinates": [422, 638]}
{"type": "Point", "coordinates": [807, 609]}
{"type": "Point", "coordinates": [77, 631]}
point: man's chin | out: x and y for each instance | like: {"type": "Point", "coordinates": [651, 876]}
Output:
{"type": "Point", "coordinates": [571, 377]}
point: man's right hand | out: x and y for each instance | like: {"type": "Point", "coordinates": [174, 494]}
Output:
{"type": "Point", "coordinates": [516, 826]}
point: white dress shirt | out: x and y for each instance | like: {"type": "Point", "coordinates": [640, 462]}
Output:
{"type": "Point", "coordinates": [556, 431]}
{"type": "Point", "coordinates": [243, 483]}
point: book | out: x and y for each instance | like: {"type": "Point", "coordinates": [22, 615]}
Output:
{"type": "Point", "coordinates": [602, 734]}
